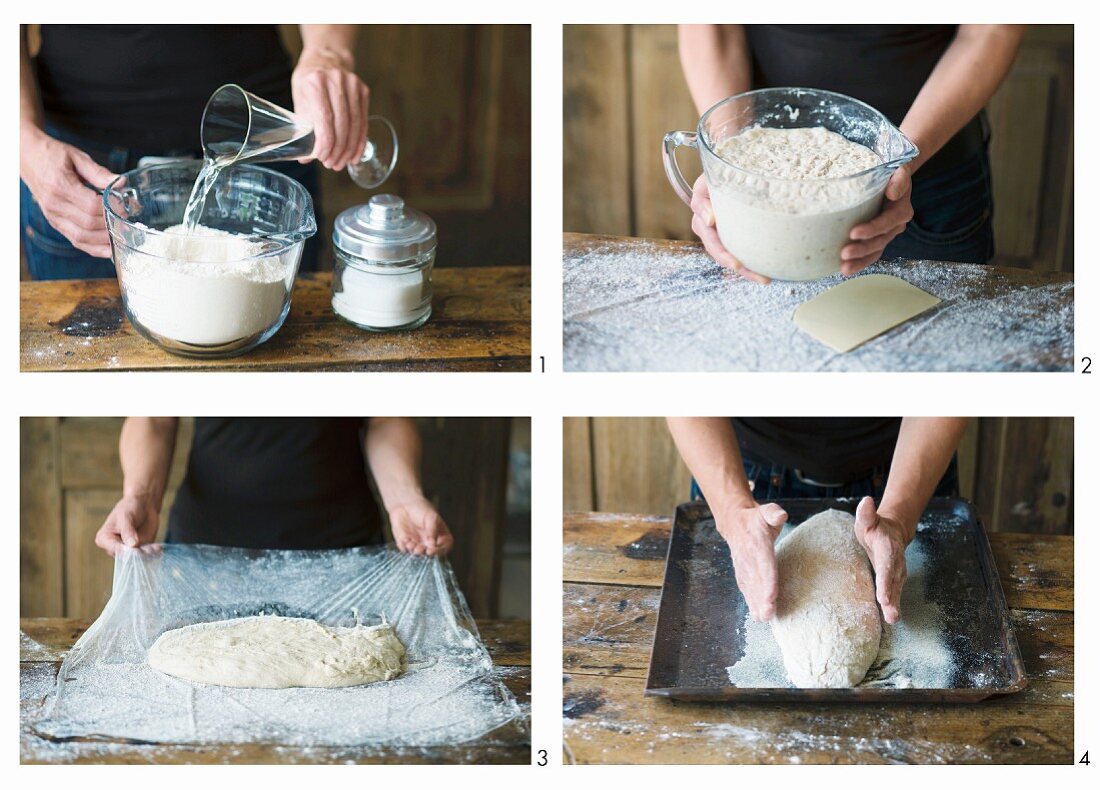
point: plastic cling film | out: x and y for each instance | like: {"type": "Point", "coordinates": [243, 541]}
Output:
{"type": "Point", "coordinates": [105, 688]}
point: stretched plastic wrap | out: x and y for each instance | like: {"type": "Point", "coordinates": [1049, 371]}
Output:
{"type": "Point", "coordinates": [448, 695]}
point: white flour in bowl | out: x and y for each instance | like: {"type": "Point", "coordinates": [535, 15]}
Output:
{"type": "Point", "coordinates": [205, 287]}
{"type": "Point", "coordinates": [787, 208]}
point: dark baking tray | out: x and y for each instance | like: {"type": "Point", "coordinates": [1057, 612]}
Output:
{"type": "Point", "coordinates": [699, 623]}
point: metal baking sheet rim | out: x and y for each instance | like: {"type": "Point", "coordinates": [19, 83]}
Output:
{"type": "Point", "coordinates": [860, 695]}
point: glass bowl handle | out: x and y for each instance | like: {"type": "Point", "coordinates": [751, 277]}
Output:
{"type": "Point", "coordinates": [674, 140]}
{"type": "Point", "coordinates": [125, 200]}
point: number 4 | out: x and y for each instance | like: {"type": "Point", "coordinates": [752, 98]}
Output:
{"type": "Point", "coordinates": [1084, 759]}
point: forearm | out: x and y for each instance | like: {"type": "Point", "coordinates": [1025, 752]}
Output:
{"type": "Point", "coordinates": [961, 84]}
{"type": "Point", "coordinates": [393, 453]}
{"type": "Point", "coordinates": [333, 43]}
{"type": "Point", "coordinates": [708, 446]}
{"type": "Point", "coordinates": [145, 449]}
{"type": "Point", "coordinates": [31, 118]}
{"type": "Point", "coordinates": [715, 60]}
{"type": "Point", "coordinates": [924, 449]}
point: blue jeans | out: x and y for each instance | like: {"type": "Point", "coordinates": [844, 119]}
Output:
{"type": "Point", "coordinates": [952, 216]}
{"type": "Point", "coordinates": [775, 481]}
{"type": "Point", "coordinates": [50, 256]}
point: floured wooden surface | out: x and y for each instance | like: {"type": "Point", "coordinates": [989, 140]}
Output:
{"type": "Point", "coordinates": [40, 656]}
{"type": "Point", "coordinates": [642, 305]}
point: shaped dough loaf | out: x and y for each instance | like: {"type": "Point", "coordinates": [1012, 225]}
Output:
{"type": "Point", "coordinates": [827, 619]}
{"type": "Point", "coordinates": [278, 652]}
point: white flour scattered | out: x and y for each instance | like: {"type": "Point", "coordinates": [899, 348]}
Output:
{"type": "Point", "coordinates": [32, 650]}
{"type": "Point", "coordinates": [912, 653]}
{"type": "Point", "coordinates": [36, 683]}
{"type": "Point", "coordinates": [207, 287]}
{"type": "Point", "coordinates": [638, 307]}
{"type": "Point", "coordinates": [435, 703]}
{"type": "Point", "coordinates": [827, 736]}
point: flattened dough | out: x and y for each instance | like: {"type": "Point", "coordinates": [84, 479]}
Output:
{"type": "Point", "coordinates": [278, 652]}
{"type": "Point", "coordinates": [857, 310]}
{"type": "Point", "coordinates": [827, 619]}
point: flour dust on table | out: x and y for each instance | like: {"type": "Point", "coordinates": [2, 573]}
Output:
{"type": "Point", "coordinates": [637, 305]}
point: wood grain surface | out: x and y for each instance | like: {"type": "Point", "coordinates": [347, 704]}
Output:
{"type": "Point", "coordinates": [613, 572]}
{"type": "Point", "coordinates": [481, 320]}
{"type": "Point", "coordinates": [44, 642]}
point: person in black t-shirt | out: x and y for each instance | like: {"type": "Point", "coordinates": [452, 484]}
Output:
{"type": "Point", "coordinates": [741, 465]}
{"type": "Point", "coordinates": [276, 482]}
{"type": "Point", "coordinates": [933, 81]}
{"type": "Point", "coordinates": [97, 100]}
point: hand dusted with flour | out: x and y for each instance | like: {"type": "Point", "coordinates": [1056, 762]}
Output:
{"type": "Point", "coordinates": [279, 652]}
{"type": "Point", "coordinates": [827, 621]}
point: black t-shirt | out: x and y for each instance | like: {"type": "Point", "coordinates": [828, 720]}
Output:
{"type": "Point", "coordinates": [883, 65]}
{"type": "Point", "coordinates": [276, 482]}
{"type": "Point", "coordinates": [145, 86]}
{"type": "Point", "coordinates": [828, 449]}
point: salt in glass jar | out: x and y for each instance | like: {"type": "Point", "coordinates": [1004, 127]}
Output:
{"type": "Point", "coordinates": [382, 277]}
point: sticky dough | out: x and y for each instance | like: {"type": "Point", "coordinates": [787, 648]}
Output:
{"type": "Point", "coordinates": [827, 620]}
{"type": "Point", "coordinates": [279, 652]}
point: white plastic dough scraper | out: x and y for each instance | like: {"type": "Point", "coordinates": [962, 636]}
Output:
{"type": "Point", "coordinates": [850, 314]}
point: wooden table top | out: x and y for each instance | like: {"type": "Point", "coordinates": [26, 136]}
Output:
{"type": "Point", "coordinates": [508, 642]}
{"type": "Point", "coordinates": [613, 572]}
{"type": "Point", "coordinates": [481, 320]}
{"type": "Point", "coordinates": [635, 304]}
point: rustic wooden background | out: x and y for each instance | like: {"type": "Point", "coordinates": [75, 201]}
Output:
{"type": "Point", "coordinates": [70, 479]}
{"type": "Point", "coordinates": [460, 99]}
{"type": "Point", "coordinates": [1018, 471]}
{"type": "Point", "coordinates": [623, 89]}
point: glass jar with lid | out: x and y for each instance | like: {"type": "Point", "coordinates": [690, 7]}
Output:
{"type": "Point", "coordinates": [382, 277]}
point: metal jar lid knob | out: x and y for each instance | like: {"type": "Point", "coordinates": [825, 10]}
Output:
{"type": "Point", "coordinates": [384, 208]}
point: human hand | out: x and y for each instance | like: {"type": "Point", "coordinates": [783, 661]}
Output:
{"type": "Point", "coordinates": [57, 175]}
{"type": "Point", "coordinates": [751, 533]}
{"type": "Point", "coordinates": [419, 529]}
{"type": "Point", "coordinates": [704, 227]}
{"type": "Point", "coordinates": [703, 224]}
{"type": "Point", "coordinates": [132, 522]}
{"type": "Point", "coordinates": [884, 538]}
{"type": "Point", "coordinates": [329, 95]}
{"type": "Point", "coordinates": [869, 239]}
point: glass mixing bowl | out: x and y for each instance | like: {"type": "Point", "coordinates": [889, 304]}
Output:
{"type": "Point", "coordinates": [216, 295]}
{"type": "Point", "coordinates": [789, 229]}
